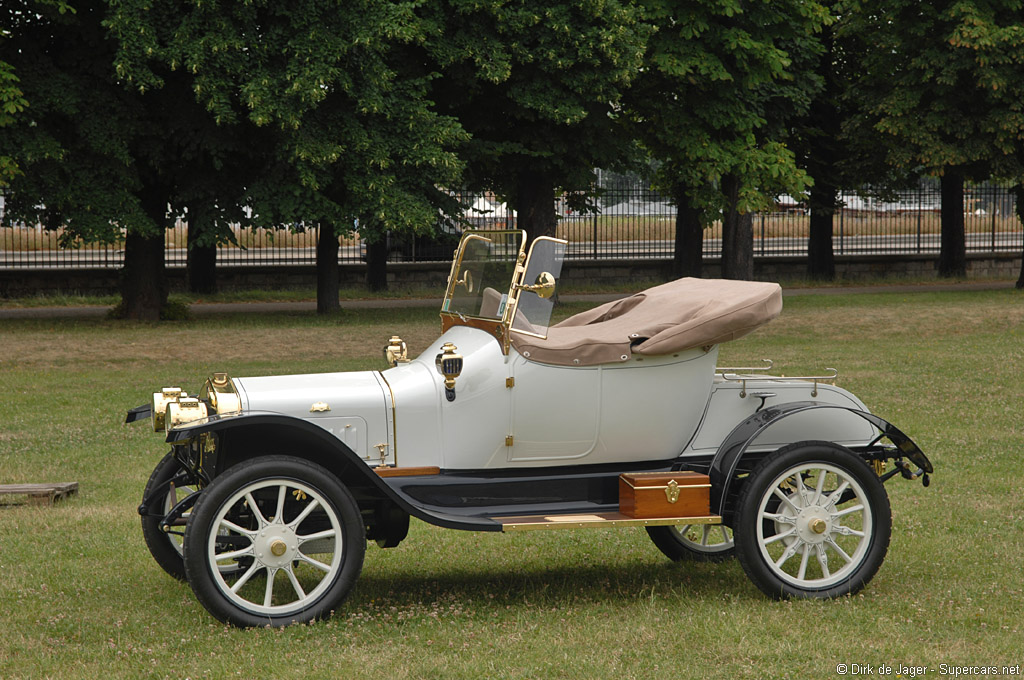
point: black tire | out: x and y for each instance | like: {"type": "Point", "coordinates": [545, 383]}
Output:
{"type": "Point", "coordinates": [806, 517]}
{"type": "Point", "coordinates": [165, 548]}
{"type": "Point", "coordinates": [298, 504]}
{"type": "Point", "coordinates": [694, 542]}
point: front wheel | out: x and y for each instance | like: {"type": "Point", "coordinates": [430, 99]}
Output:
{"type": "Point", "coordinates": [294, 529]}
{"type": "Point", "coordinates": [812, 521]}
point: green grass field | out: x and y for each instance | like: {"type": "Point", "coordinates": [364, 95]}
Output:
{"type": "Point", "coordinates": [81, 597]}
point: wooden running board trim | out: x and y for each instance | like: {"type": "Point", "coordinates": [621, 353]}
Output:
{"type": "Point", "coordinates": [406, 471]}
{"type": "Point", "coordinates": [596, 520]}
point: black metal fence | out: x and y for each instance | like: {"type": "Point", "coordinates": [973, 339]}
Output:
{"type": "Point", "coordinates": [631, 221]}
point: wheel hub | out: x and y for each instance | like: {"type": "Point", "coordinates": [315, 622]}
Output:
{"type": "Point", "coordinates": [813, 524]}
{"type": "Point", "coordinates": [276, 546]}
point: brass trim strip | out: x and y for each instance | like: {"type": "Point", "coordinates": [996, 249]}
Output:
{"type": "Point", "coordinates": [596, 521]}
{"type": "Point", "coordinates": [394, 418]}
{"type": "Point", "coordinates": [665, 486]}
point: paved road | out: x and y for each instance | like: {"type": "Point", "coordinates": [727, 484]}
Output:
{"type": "Point", "coordinates": [217, 309]}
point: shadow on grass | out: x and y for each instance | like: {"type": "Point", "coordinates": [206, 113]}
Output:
{"type": "Point", "coordinates": [556, 587]}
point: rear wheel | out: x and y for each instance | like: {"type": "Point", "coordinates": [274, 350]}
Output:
{"type": "Point", "coordinates": [294, 528]}
{"type": "Point", "coordinates": [812, 521]}
{"type": "Point", "coordinates": [695, 542]}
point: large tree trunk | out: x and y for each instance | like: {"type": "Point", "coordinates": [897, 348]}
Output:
{"type": "Point", "coordinates": [953, 253]}
{"type": "Point", "coordinates": [821, 260]}
{"type": "Point", "coordinates": [535, 204]}
{"type": "Point", "coordinates": [202, 258]}
{"type": "Point", "coordinates": [144, 277]}
{"type": "Point", "coordinates": [327, 270]}
{"type": "Point", "coordinates": [688, 257]}
{"type": "Point", "coordinates": [737, 235]}
{"type": "Point", "coordinates": [377, 264]}
{"type": "Point", "coordinates": [1018, 197]}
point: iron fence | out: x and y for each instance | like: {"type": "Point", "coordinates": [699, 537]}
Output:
{"type": "Point", "coordinates": [629, 221]}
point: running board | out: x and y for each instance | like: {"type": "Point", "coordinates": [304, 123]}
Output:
{"type": "Point", "coordinates": [596, 520]}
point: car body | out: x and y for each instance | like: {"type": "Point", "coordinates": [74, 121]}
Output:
{"type": "Point", "coordinates": [618, 417]}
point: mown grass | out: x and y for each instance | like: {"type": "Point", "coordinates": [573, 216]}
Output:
{"type": "Point", "coordinates": [82, 598]}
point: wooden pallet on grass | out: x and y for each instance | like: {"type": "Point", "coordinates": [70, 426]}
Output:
{"type": "Point", "coordinates": [37, 494]}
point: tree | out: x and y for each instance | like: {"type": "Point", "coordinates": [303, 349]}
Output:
{"type": "Point", "coordinates": [944, 82]}
{"type": "Point", "coordinates": [712, 103]}
{"type": "Point", "coordinates": [536, 85]}
{"type": "Point", "coordinates": [84, 144]}
{"type": "Point", "coordinates": [353, 132]}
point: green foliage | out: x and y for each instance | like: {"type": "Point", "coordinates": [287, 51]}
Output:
{"type": "Point", "coordinates": [333, 92]}
{"type": "Point", "coordinates": [726, 77]}
{"type": "Point", "coordinates": [536, 84]}
{"type": "Point", "coordinates": [943, 81]}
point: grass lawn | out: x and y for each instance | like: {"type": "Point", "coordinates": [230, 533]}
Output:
{"type": "Point", "coordinates": [81, 597]}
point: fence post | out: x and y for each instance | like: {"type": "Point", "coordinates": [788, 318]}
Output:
{"type": "Point", "coordinates": [992, 209]}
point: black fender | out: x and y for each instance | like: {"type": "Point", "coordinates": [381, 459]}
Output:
{"type": "Point", "coordinates": [729, 454]}
{"type": "Point", "coordinates": [305, 439]}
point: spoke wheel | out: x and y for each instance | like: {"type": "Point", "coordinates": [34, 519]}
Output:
{"type": "Point", "coordinates": [165, 547]}
{"type": "Point", "coordinates": [273, 542]}
{"type": "Point", "coordinates": [695, 542]}
{"type": "Point", "coordinates": [812, 520]}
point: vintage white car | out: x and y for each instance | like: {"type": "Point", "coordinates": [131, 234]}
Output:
{"type": "Point", "coordinates": [616, 417]}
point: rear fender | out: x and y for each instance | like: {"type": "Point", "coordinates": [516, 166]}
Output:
{"type": "Point", "coordinates": [728, 456]}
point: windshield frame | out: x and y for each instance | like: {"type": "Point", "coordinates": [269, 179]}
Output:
{"type": "Point", "coordinates": [500, 328]}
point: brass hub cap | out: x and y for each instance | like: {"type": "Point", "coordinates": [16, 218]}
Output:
{"type": "Point", "coordinates": [278, 547]}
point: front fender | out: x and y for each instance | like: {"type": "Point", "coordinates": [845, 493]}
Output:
{"type": "Point", "coordinates": [304, 439]}
{"type": "Point", "coordinates": [735, 445]}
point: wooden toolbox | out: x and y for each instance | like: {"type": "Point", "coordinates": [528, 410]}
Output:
{"type": "Point", "coordinates": [644, 495]}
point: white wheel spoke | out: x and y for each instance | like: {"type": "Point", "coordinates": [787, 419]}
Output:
{"type": "Point", "coordinates": [725, 535]}
{"type": "Point", "coordinates": [704, 534]}
{"type": "Point", "coordinates": [328, 533]}
{"type": "Point", "coordinates": [842, 553]}
{"type": "Point", "coordinates": [823, 561]}
{"type": "Point", "coordinates": [847, 511]}
{"type": "Point", "coordinates": [835, 495]}
{"type": "Point", "coordinates": [295, 583]}
{"type": "Point", "coordinates": [779, 537]}
{"type": "Point", "coordinates": [790, 551]}
{"type": "Point", "coordinates": [268, 594]}
{"type": "Point", "coordinates": [314, 563]}
{"type": "Point", "coordinates": [250, 572]}
{"type": "Point", "coordinates": [313, 505]}
{"type": "Point", "coordinates": [803, 562]}
{"type": "Point", "coordinates": [235, 554]}
{"type": "Point", "coordinates": [282, 493]}
{"type": "Point", "coordinates": [818, 489]}
{"type": "Point", "coordinates": [255, 510]}
{"type": "Point", "coordinates": [846, 531]}
{"type": "Point", "coordinates": [231, 526]}
{"type": "Point", "coordinates": [784, 497]}
{"type": "Point", "coordinates": [776, 517]}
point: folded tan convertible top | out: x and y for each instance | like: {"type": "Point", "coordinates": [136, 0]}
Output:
{"type": "Point", "coordinates": [669, 318]}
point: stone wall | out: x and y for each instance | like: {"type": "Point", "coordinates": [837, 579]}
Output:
{"type": "Point", "coordinates": [28, 282]}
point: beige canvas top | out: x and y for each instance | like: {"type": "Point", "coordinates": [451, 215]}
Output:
{"type": "Point", "coordinates": [669, 318]}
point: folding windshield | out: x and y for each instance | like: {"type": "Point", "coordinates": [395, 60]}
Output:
{"type": "Point", "coordinates": [482, 274]}
{"type": "Point", "coordinates": [494, 286]}
{"type": "Point", "coordinates": [536, 294]}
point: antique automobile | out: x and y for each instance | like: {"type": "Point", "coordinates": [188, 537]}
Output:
{"type": "Point", "coordinates": [616, 417]}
